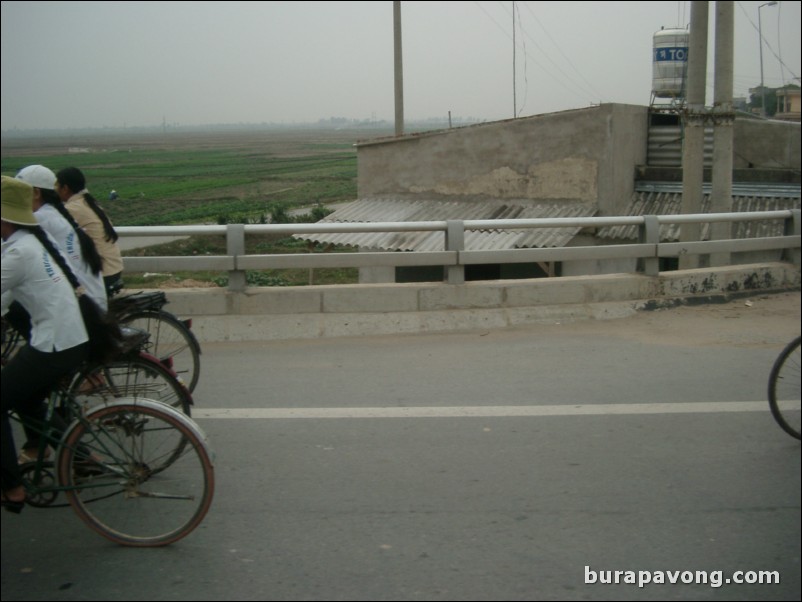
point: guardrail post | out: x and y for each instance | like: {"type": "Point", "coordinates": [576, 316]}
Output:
{"type": "Point", "coordinates": [649, 233]}
{"type": "Point", "coordinates": [792, 228]}
{"type": "Point", "coordinates": [235, 245]}
{"type": "Point", "coordinates": [455, 241]}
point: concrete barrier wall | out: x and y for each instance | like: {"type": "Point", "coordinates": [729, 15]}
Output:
{"type": "Point", "coordinates": [267, 313]}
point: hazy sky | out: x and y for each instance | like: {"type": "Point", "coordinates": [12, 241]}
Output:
{"type": "Point", "coordinates": [115, 64]}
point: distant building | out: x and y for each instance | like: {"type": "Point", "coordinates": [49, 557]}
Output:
{"type": "Point", "coordinates": [788, 104]}
{"type": "Point", "coordinates": [741, 103]}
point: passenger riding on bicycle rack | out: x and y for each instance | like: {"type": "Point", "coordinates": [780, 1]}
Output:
{"type": "Point", "coordinates": [72, 240]}
{"type": "Point", "coordinates": [71, 189]}
{"type": "Point", "coordinates": [67, 326]}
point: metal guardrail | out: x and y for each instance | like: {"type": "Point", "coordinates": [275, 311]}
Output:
{"type": "Point", "coordinates": [454, 257]}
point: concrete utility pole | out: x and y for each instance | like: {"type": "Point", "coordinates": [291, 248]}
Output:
{"type": "Point", "coordinates": [760, 35]}
{"type": "Point", "coordinates": [514, 91]}
{"type": "Point", "coordinates": [399, 70]}
{"type": "Point", "coordinates": [724, 121]}
{"type": "Point", "coordinates": [694, 130]}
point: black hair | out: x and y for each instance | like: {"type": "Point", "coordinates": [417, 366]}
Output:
{"type": "Point", "coordinates": [73, 178]}
{"type": "Point", "coordinates": [104, 333]}
{"type": "Point", "coordinates": [88, 249]}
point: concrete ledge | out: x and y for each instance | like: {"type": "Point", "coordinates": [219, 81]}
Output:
{"type": "Point", "coordinates": [354, 310]}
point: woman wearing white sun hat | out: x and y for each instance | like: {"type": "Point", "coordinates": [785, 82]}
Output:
{"type": "Point", "coordinates": [76, 244]}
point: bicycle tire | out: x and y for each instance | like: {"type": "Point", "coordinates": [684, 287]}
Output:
{"type": "Point", "coordinates": [135, 375]}
{"type": "Point", "coordinates": [784, 388]}
{"type": "Point", "coordinates": [170, 340]}
{"type": "Point", "coordinates": [116, 493]}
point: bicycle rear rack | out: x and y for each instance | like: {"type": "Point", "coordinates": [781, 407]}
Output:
{"type": "Point", "coordinates": [141, 301]}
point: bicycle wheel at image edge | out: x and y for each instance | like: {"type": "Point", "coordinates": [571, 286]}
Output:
{"type": "Point", "coordinates": [784, 389]}
{"type": "Point", "coordinates": [170, 339]}
{"type": "Point", "coordinates": [105, 462]}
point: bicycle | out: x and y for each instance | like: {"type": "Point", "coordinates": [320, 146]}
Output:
{"type": "Point", "coordinates": [135, 470]}
{"type": "Point", "coordinates": [784, 388]}
{"type": "Point", "coordinates": [172, 339]}
{"type": "Point", "coordinates": [132, 373]}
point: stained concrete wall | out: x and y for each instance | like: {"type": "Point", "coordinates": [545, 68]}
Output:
{"type": "Point", "coordinates": [760, 144]}
{"type": "Point", "coordinates": [266, 313]}
{"type": "Point", "coordinates": [586, 155]}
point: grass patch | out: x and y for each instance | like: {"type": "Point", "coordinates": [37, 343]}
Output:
{"type": "Point", "coordinates": [255, 245]}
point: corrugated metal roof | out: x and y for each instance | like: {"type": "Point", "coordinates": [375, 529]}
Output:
{"type": "Point", "coordinates": [745, 189]}
{"type": "Point", "coordinates": [668, 202]}
{"type": "Point", "coordinates": [408, 210]}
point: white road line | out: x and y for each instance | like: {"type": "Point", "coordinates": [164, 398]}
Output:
{"type": "Point", "coordinates": [621, 409]}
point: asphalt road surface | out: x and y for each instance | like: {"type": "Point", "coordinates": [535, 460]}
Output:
{"type": "Point", "coordinates": [539, 463]}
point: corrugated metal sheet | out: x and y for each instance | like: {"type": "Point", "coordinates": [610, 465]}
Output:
{"type": "Point", "coordinates": [406, 210]}
{"type": "Point", "coordinates": [664, 148]}
{"type": "Point", "coordinates": [745, 189]}
{"type": "Point", "coordinates": [668, 202]}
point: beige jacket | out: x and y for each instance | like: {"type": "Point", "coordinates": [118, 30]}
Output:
{"type": "Point", "coordinates": [91, 224]}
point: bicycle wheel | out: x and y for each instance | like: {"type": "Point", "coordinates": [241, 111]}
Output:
{"type": "Point", "coordinates": [106, 464]}
{"type": "Point", "coordinates": [170, 340]}
{"type": "Point", "coordinates": [138, 376]}
{"type": "Point", "coordinates": [784, 389]}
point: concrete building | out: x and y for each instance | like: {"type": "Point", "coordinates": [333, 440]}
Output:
{"type": "Point", "coordinates": [597, 161]}
{"type": "Point", "coordinates": [788, 104]}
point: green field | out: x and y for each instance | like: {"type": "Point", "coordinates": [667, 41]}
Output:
{"type": "Point", "coordinates": [201, 177]}
{"type": "Point", "coordinates": [207, 178]}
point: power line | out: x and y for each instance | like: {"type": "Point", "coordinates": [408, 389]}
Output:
{"type": "Point", "coordinates": [576, 89]}
{"type": "Point", "coordinates": [768, 44]}
{"type": "Point", "coordinates": [571, 82]}
{"type": "Point", "coordinates": [568, 60]}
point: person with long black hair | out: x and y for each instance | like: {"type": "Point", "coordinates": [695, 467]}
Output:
{"type": "Point", "coordinates": [71, 189]}
{"type": "Point", "coordinates": [71, 239]}
{"type": "Point", "coordinates": [67, 327]}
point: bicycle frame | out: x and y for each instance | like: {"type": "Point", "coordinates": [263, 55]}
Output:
{"type": "Point", "coordinates": [59, 398]}
{"type": "Point", "coordinates": [115, 471]}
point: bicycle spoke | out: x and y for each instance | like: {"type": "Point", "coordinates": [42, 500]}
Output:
{"type": "Point", "coordinates": [154, 480]}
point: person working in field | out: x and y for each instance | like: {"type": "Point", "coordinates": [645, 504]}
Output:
{"type": "Point", "coordinates": [71, 189]}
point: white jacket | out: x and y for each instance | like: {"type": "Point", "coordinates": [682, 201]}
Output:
{"type": "Point", "coordinates": [30, 276]}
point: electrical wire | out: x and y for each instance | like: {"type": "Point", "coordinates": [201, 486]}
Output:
{"type": "Point", "coordinates": [565, 81]}
{"type": "Point", "coordinates": [768, 44]}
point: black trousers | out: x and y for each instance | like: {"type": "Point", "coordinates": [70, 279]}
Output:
{"type": "Point", "coordinates": [26, 381]}
{"type": "Point", "coordinates": [113, 284]}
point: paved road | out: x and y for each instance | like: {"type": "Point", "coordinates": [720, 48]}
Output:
{"type": "Point", "coordinates": [490, 465]}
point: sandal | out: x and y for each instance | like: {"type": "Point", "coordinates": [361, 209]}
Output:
{"type": "Point", "coordinates": [12, 506]}
{"type": "Point", "coordinates": [31, 455]}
